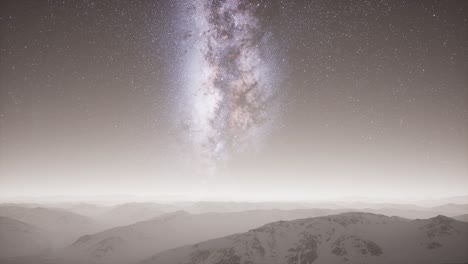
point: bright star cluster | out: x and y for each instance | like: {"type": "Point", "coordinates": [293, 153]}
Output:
{"type": "Point", "coordinates": [229, 102]}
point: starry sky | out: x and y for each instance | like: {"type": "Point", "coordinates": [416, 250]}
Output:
{"type": "Point", "coordinates": [234, 99]}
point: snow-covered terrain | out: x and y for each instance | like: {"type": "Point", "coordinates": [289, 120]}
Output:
{"type": "Point", "coordinates": [344, 238]}
{"type": "Point", "coordinates": [138, 241]}
{"type": "Point", "coordinates": [130, 232]}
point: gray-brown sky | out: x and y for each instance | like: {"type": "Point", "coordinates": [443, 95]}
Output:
{"type": "Point", "coordinates": [371, 99]}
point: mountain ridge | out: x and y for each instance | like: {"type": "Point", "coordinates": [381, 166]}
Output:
{"type": "Point", "coordinates": [343, 238]}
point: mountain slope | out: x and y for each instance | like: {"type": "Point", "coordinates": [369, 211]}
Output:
{"type": "Point", "coordinates": [62, 226]}
{"type": "Point", "coordinates": [463, 218]}
{"type": "Point", "coordinates": [18, 238]}
{"type": "Point", "coordinates": [141, 240]}
{"type": "Point", "coordinates": [129, 213]}
{"type": "Point", "coordinates": [86, 209]}
{"type": "Point", "coordinates": [344, 238]}
{"type": "Point", "coordinates": [452, 209]}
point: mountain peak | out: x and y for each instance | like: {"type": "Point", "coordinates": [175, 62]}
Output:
{"type": "Point", "coordinates": [441, 218]}
{"type": "Point", "coordinates": [356, 237]}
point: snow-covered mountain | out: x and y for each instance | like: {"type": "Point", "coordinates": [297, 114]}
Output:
{"type": "Point", "coordinates": [344, 238]}
{"type": "Point", "coordinates": [137, 241]}
{"type": "Point", "coordinates": [62, 226]}
{"type": "Point", "coordinates": [18, 238]}
{"type": "Point", "coordinates": [140, 240]}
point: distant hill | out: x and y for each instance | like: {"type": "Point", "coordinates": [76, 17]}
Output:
{"type": "Point", "coordinates": [463, 217]}
{"type": "Point", "coordinates": [18, 238]}
{"type": "Point", "coordinates": [129, 213]}
{"type": "Point", "coordinates": [61, 226]}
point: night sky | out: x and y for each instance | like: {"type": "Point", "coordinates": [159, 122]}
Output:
{"type": "Point", "coordinates": [234, 99]}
